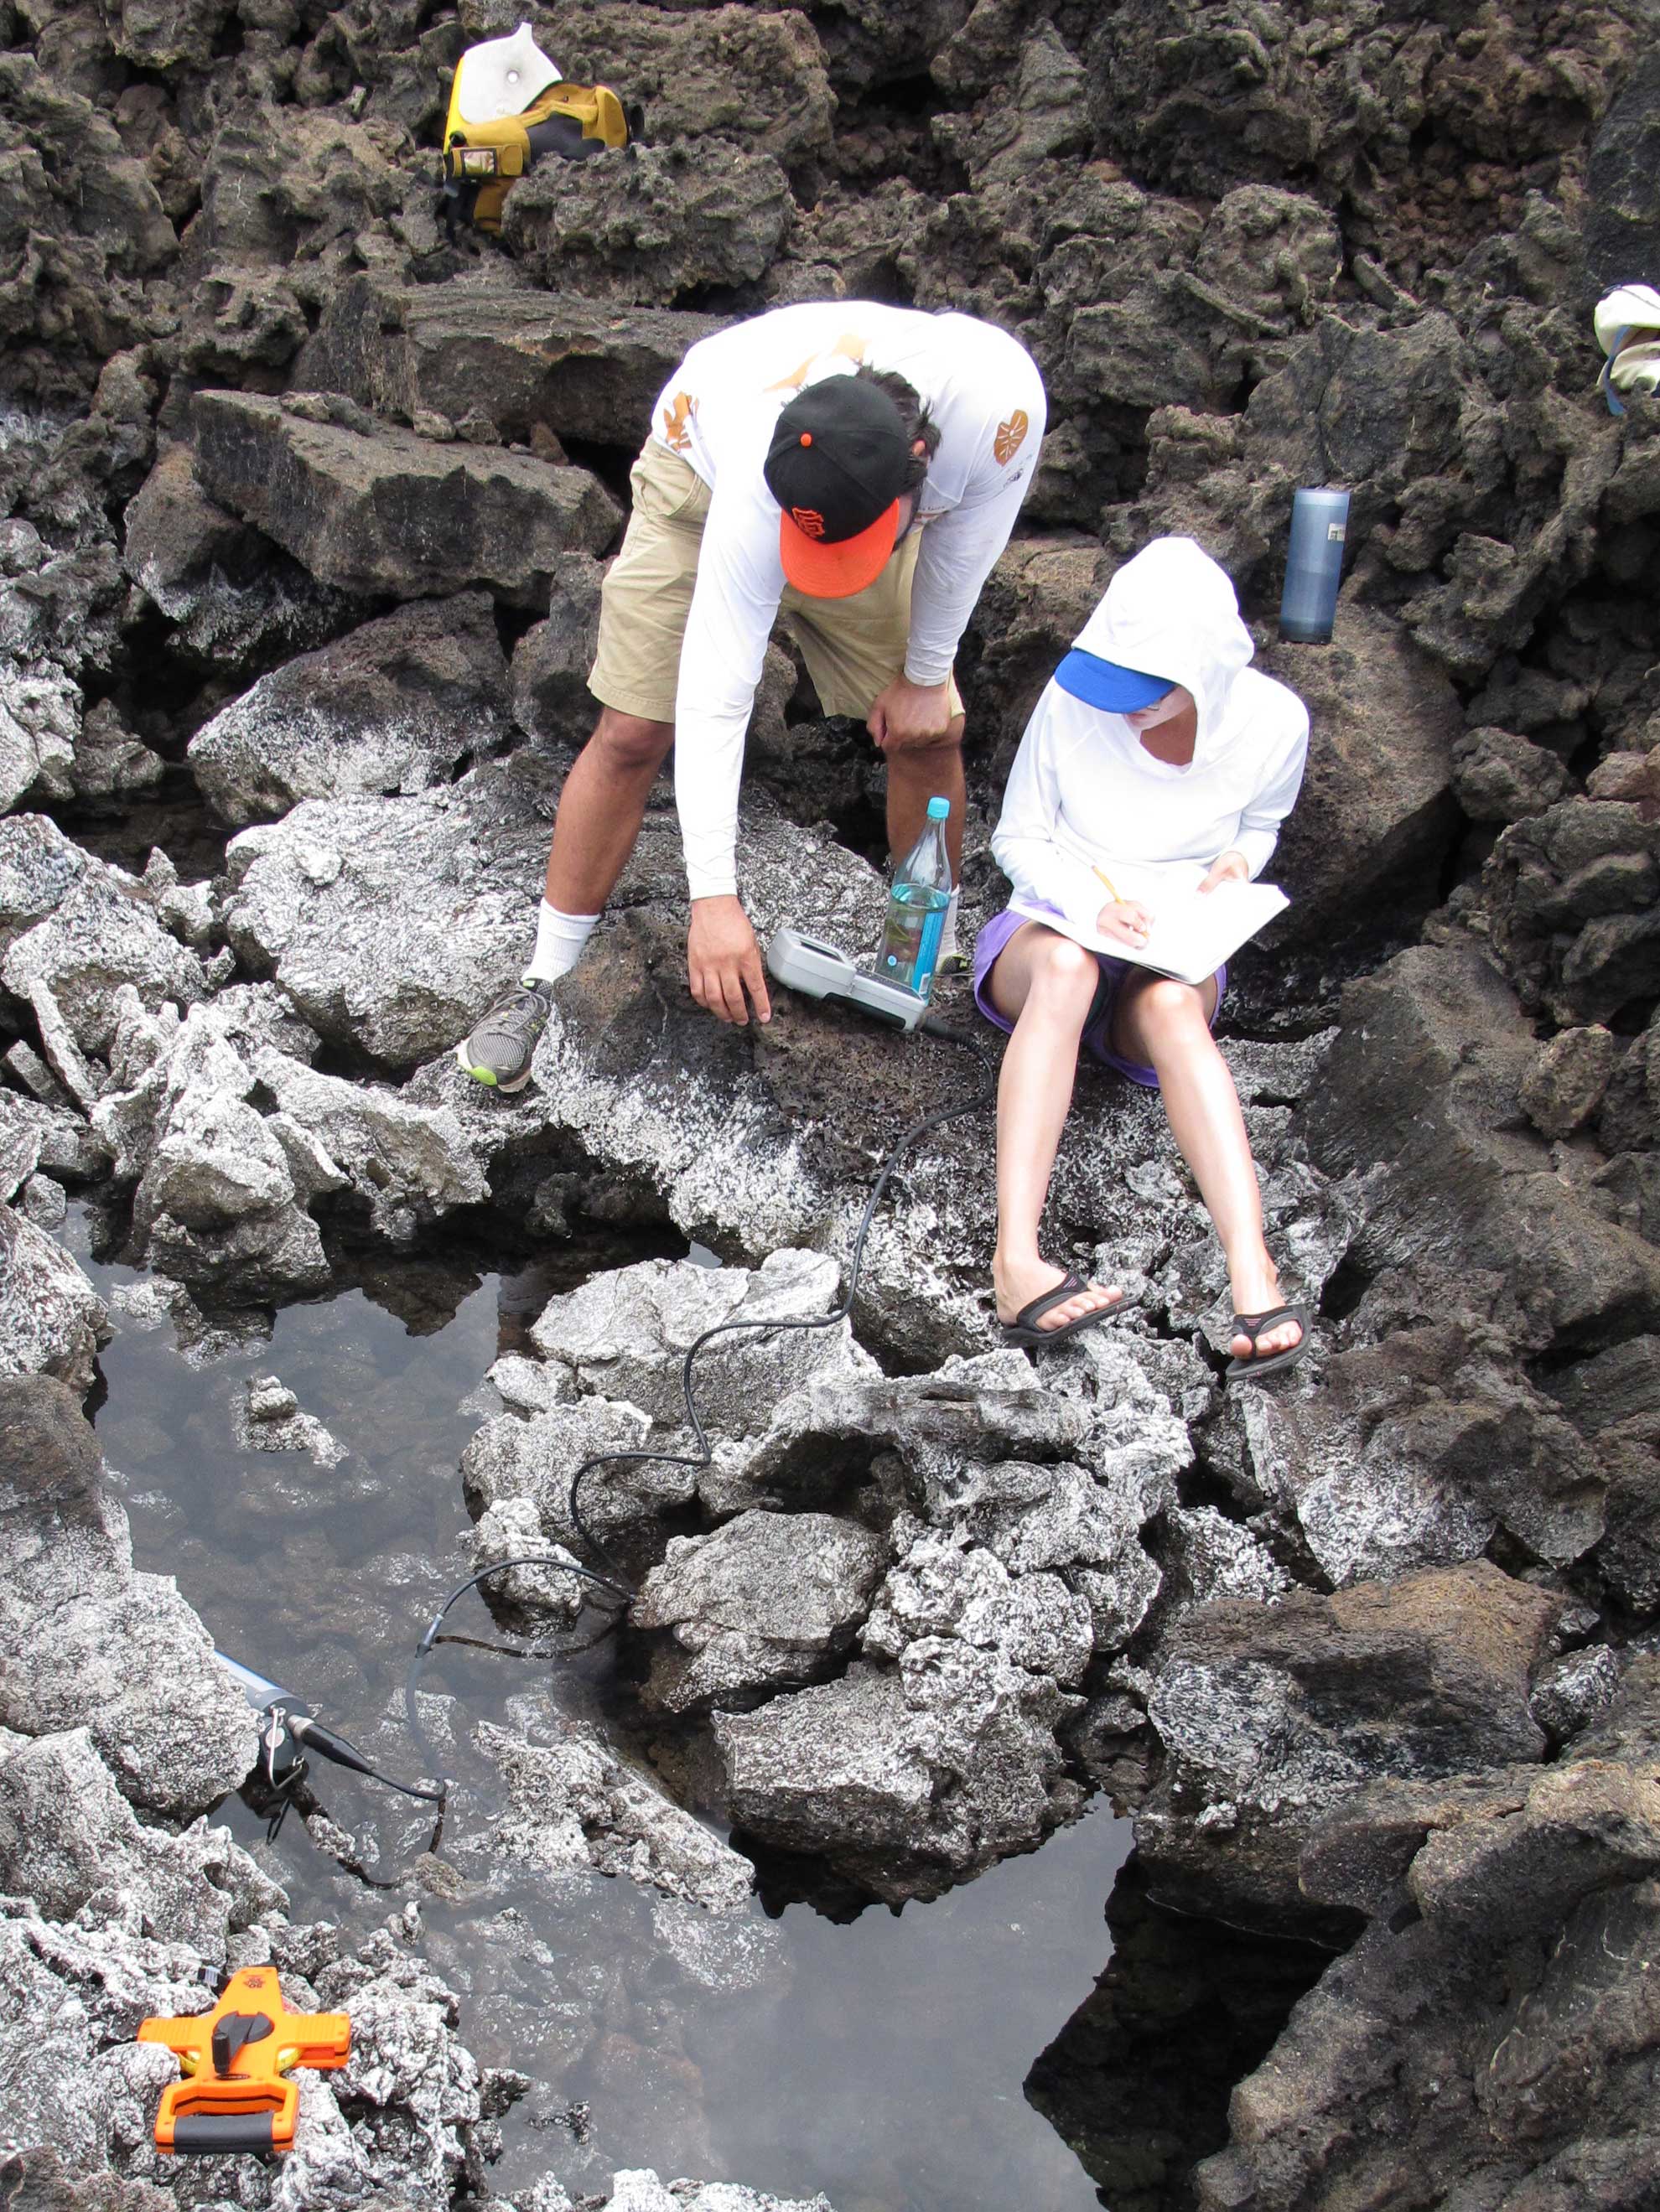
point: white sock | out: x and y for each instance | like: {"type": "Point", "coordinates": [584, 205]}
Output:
{"type": "Point", "coordinates": [948, 934]}
{"type": "Point", "coordinates": [559, 941]}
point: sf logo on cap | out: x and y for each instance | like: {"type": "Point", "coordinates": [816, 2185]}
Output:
{"type": "Point", "coordinates": [807, 519]}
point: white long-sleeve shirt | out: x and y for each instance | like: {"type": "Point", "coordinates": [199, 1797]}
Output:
{"type": "Point", "coordinates": [1086, 794]}
{"type": "Point", "coordinates": [718, 412]}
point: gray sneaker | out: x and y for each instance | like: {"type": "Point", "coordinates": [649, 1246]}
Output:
{"type": "Point", "coordinates": [500, 1050]}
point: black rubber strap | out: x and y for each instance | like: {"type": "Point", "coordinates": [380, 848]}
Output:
{"type": "Point", "coordinates": [223, 2131]}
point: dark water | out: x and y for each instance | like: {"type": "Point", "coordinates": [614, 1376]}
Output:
{"type": "Point", "coordinates": [880, 2060]}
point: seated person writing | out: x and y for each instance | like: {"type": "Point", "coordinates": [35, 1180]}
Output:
{"type": "Point", "coordinates": [1153, 745]}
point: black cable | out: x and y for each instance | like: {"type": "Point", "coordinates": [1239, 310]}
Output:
{"type": "Point", "coordinates": [930, 1026]}
{"type": "Point", "coordinates": [616, 1581]}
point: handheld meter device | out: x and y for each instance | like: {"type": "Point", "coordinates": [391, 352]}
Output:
{"type": "Point", "coordinates": [823, 971]}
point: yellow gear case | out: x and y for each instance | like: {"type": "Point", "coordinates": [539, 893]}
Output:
{"type": "Point", "coordinates": [482, 160]}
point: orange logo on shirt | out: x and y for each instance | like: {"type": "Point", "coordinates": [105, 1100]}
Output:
{"type": "Point", "coordinates": [1011, 436]}
{"type": "Point", "coordinates": [808, 520]}
{"type": "Point", "coordinates": [677, 421]}
{"type": "Point", "coordinates": [848, 347]}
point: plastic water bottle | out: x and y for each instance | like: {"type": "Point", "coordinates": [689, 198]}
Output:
{"type": "Point", "coordinates": [916, 908]}
{"type": "Point", "coordinates": [1314, 564]}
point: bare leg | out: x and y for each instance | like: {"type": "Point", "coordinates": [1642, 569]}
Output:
{"type": "Point", "coordinates": [1043, 983]}
{"type": "Point", "coordinates": [601, 808]}
{"type": "Point", "coordinates": [915, 773]}
{"type": "Point", "coordinates": [1165, 1025]}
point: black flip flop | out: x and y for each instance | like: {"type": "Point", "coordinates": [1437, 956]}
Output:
{"type": "Point", "coordinates": [1252, 1325]}
{"type": "Point", "coordinates": [1022, 1329]}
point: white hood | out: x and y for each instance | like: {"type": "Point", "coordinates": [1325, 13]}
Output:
{"type": "Point", "coordinates": [1172, 611]}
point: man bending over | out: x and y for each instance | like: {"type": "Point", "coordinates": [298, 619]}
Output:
{"type": "Point", "coordinates": [851, 469]}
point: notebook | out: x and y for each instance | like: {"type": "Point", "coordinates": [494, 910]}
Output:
{"type": "Point", "coordinates": [1193, 933]}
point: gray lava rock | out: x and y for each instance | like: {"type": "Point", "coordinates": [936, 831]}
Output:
{"type": "Point", "coordinates": [84, 1641]}
{"type": "Point", "coordinates": [1498, 777]}
{"type": "Point", "coordinates": [101, 933]}
{"type": "Point", "coordinates": [391, 924]}
{"type": "Point", "coordinates": [394, 512]}
{"type": "Point", "coordinates": [753, 76]}
{"type": "Point", "coordinates": [1422, 1097]}
{"type": "Point", "coordinates": [536, 1459]}
{"type": "Point", "coordinates": [1270, 1718]}
{"type": "Point", "coordinates": [1528, 2085]}
{"type": "Point", "coordinates": [1412, 1452]}
{"type": "Point", "coordinates": [397, 705]}
{"type": "Point", "coordinates": [770, 1601]}
{"type": "Point", "coordinates": [267, 1418]}
{"type": "Point", "coordinates": [576, 1805]}
{"type": "Point", "coordinates": [109, 762]}
{"type": "Point", "coordinates": [231, 595]}
{"type": "Point", "coordinates": [625, 1333]}
{"type": "Point", "coordinates": [651, 225]}
{"type": "Point", "coordinates": [95, 220]}
{"type": "Point", "coordinates": [487, 339]}
{"type": "Point", "coordinates": [1376, 817]}
{"type": "Point", "coordinates": [942, 1588]}
{"type": "Point", "coordinates": [1574, 895]}
{"type": "Point", "coordinates": [1565, 1086]}
{"type": "Point", "coordinates": [67, 1834]}
{"type": "Point", "coordinates": [40, 726]}
{"type": "Point", "coordinates": [52, 1321]}
{"type": "Point", "coordinates": [1573, 1690]}
{"type": "Point", "coordinates": [910, 1779]}
{"type": "Point", "coordinates": [551, 701]}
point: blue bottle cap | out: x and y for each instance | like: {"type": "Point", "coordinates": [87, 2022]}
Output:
{"type": "Point", "coordinates": [938, 810]}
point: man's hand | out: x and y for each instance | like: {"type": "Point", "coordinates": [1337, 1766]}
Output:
{"type": "Point", "coordinates": [723, 962]}
{"type": "Point", "coordinates": [1227, 868]}
{"type": "Point", "coordinates": [1126, 920]}
{"type": "Point", "coordinates": [910, 714]}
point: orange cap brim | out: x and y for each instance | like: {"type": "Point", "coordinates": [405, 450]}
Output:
{"type": "Point", "coordinates": [837, 572]}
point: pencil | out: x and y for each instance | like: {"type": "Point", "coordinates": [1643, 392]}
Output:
{"type": "Point", "coordinates": [1105, 878]}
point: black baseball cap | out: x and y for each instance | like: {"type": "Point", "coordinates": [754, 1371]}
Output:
{"type": "Point", "coordinates": [836, 466]}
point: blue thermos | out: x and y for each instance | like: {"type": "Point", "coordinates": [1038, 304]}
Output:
{"type": "Point", "coordinates": [1314, 564]}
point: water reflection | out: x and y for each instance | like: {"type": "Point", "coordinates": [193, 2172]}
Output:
{"type": "Point", "coordinates": [880, 2059]}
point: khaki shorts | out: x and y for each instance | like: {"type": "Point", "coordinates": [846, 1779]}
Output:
{"type": "Point", "coordinates": [853, 647]}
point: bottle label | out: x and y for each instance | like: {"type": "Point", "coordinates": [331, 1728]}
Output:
{"type": "Point", "coordinates": [1335, 532]}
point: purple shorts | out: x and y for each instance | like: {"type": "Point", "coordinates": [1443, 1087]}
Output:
{"type": "Point", "coordinates": [1097, 1029]}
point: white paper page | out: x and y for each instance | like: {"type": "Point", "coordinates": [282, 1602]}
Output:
{"type": "Point", "coordinates": [1193, 933]}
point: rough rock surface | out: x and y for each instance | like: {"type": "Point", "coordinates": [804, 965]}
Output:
{"type": "Point", "coordinates": [1526, 2079]}
{"type": "Point", "coordinates": [1270, 1718]}
{"type": "Point", "coordinates": [377, 509]}
{"type": "Point", "coordinates": [398, 705]}
{"type": "Point", "coordinates": [765, 1602]}
{"type": "Point", "coordinates": [257, 404]}
{"type": "Point", "coordinates": [84, 1641]}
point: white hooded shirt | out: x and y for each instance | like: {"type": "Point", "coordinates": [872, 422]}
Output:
{"type": "Point", "coordinates": [1084, 794]}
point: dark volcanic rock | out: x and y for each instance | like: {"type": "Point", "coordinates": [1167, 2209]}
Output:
{"type": "Point", "coordinates": [649, 226]}
{"type": "Point", "coordinates": [1495, 2024]}
{"type": "Point", "coordinates": [1575, 896]}
{"type": "Point", "coordinates": [551, 701]}
{"type": "Point", "coordinates": [392, 707]}
{"type": "Point", "coordinates": [753, 76]}
{"type": "Point", "coordinates": [1622, 220]}
{"type": "Point", "coordinates": [390, 512]}
{"type": "Point", "coordinates": [234, 598]}
{"type": "Point", "coordinates": [1375, 819]}
{"type": "Point", "coordinates": [489, 343]}
{"type": "Point", "coordinates": [81, 230]}
{"type": "Point", "coordinates": [1137, 2082]}
{"type": "Point", "coordinates": [1272, 1717]}
{"type": "Point", "coordinates": [1422, 1096]}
